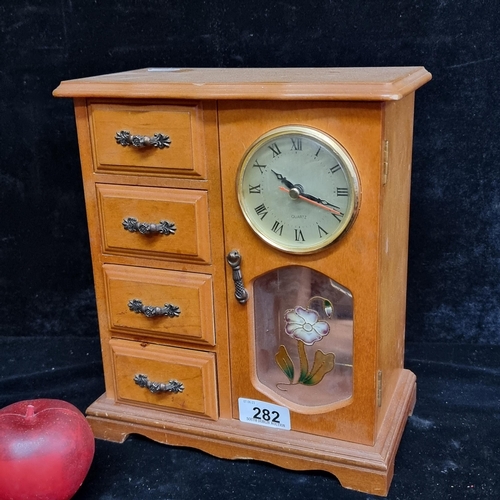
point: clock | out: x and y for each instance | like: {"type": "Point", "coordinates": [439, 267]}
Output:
{"type": "Point", "coordinates": [249, 236]}
{"type": "Point", "coordinates": [298, 189]}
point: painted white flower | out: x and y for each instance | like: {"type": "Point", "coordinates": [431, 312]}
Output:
{"type": "Point", "coordinates": [302, 324]}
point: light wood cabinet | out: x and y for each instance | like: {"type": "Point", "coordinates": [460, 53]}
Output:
{"type": "Point", "coordinates": [189, 332]}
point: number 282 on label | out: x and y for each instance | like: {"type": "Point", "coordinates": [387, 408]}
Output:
{"type": "Point", "coordinates": [262, 413]}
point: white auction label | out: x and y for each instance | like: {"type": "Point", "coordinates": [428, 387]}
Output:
{"type": "Point", "coordinates": [261, 413]}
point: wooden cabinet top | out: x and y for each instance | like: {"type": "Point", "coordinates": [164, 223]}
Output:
{"type": "Point", "coordinates": [347, 84]}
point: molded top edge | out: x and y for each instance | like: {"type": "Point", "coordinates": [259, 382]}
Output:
{"type": "Point", "coordinates": [359, 84]}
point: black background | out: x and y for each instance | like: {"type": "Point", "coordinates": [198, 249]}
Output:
{"type": "Point", "coordinates": [454, 271]}
{"type": "Point", "coordinates": [46, 290]}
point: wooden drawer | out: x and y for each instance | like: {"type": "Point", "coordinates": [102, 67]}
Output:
{"type": "Point", "coordinates": [183, 124]}
{"type": "Point", "coordinates": [195, 370]}
{"type": "Point", "coordinates": [187, 209]}
{"type": "Point", "coordinates": [191, 293]}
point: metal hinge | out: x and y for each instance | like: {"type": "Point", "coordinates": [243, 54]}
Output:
{"type": "Point", "coordinates": [379, 388]}
{"type": "Point", "coordinates": [385, 162]}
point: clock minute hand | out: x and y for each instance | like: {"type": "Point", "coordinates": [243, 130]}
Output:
{"type": "Point", "coordinates": [300, 191]}
{"type": "Point", "coordinates": [301, 197]}
{"type": "Point", "coordinates": [319, 200]}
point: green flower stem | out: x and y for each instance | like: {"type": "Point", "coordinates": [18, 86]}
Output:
{"type": "Point", "coordinates": [327, 305]}
{"type": "Point", "coordinates": [304, 364]}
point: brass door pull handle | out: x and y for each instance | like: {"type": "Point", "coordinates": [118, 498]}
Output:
{"type": "Point", "coordinates": [125, 138]}
{"type": "Point", "coordinates": [240, 292]}
{"type": "Point", "coordinates": [163, 227]}
{"type": "Point", "coordinates": [156, 387]}
{"type": "Point", "coordinates": [136, 305]}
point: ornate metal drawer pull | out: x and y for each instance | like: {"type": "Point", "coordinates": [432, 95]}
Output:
{"type": "Point", "coordinates": [240, 292]}
{"type": "Point", "coordinates": [125, 138]}
{"type": "Point", "coordinates": [156, 387]}
{"type": "Point", "coordinates": [164, 227]}
{"type": "Point", "coordinates": [136, 305]}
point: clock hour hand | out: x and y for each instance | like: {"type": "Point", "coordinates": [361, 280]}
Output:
{"type": "Point", "coordinates": [284, 180]}
{"type": "Point", "coordinates": [297, 191]}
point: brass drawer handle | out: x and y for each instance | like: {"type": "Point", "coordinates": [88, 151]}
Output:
{"type": "Point", "coordinates": [156, 387]}
{"type": "Point", "coordinates": [240, 292]}
{"type": "Point", "coordinates": [125, 138]}
{"type": "Point", "coordinates": [164, 227]}
{"type": "Point", "coordinates": [136, 305]}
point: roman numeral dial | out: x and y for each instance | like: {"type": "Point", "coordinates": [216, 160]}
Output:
{"type": "Point", "coordinates": [298, 189]}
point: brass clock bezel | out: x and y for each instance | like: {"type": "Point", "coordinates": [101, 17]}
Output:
{"type": "Point", "coordinates": [348, 166]}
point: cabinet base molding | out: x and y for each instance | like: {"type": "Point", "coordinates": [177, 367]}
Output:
{"type": "Point", "coordinates": [359, 467]}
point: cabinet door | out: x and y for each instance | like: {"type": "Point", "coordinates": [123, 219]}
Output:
{"type": "Point", "coordinates": [303, 339]}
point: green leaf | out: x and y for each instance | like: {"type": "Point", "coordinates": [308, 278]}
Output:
{"type": "Point", "coordinates": [285, 363]}
{"type": "Point", "coordinates": [323, 364]}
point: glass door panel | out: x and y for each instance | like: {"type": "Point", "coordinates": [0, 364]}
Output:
{"type": "Point", "coordinates": [303, 323]}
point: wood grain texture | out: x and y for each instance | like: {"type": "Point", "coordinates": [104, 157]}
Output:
{"type": "Point", "coordinates": [352, 261]}
{"type": "Point", "coordinates": [367, 468]}
{"type": "Point", "coordinates": [393, 243]}
{"type": "Point", "coordinates": [191, 292]}
{"type": "Point", "coordinates": [194, 369]}
{"type": "Point", "coordinates": [182, 123]}
{"type": "Point", "coordinates": [187, 209]}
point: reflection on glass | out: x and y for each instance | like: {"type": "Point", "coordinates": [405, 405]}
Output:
{"type": "Point", "coordinates": [303, 336]}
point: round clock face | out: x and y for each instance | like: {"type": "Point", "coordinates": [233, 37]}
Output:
{"type": "Point", "coordinates": [298, 189]}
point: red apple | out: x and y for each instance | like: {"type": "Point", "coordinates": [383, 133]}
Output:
{"type": "Point", "coordinates": [46, 448]}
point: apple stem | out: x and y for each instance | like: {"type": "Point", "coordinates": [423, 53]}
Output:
{"type": "Point", "coordinates": [30, 411]}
